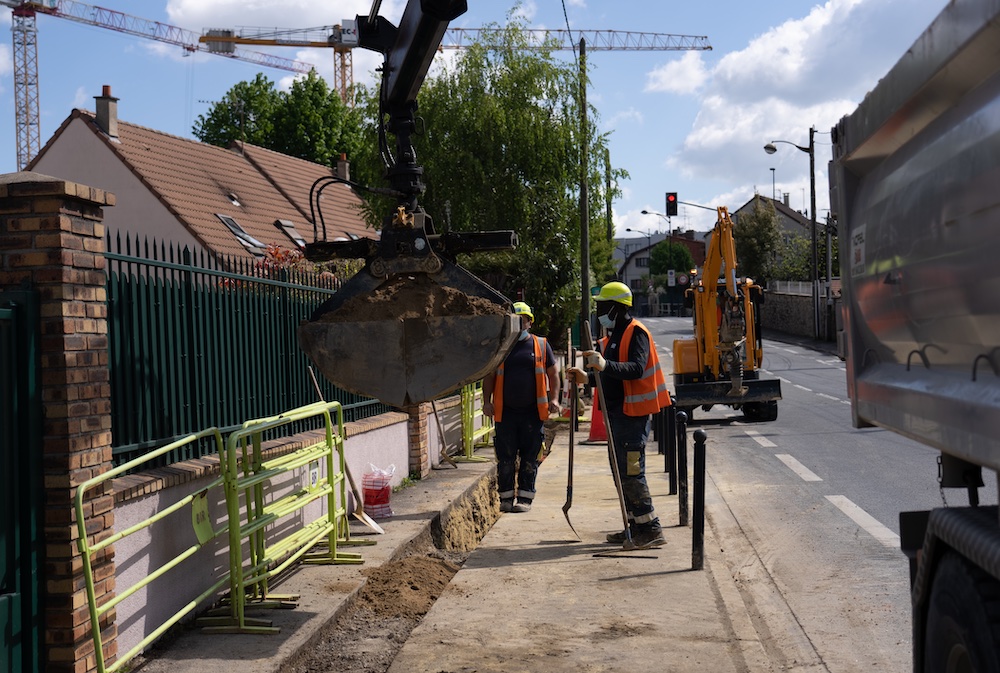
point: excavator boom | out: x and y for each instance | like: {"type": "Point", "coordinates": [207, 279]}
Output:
{"type": "Point", "coordinates": [412, 325]}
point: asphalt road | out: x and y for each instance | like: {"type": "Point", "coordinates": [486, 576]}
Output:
{"type": "Point", "coordinates": [819, 503]}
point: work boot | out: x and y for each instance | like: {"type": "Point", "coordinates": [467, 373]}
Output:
{"type": "Point", "coordinates": [645, 538]}
{"type": "Point", "coordinates": [522, 505]}
{"type": "Point", "coordinates": [616, 538]}
{"type": "Point", "coordinates": [506, 504]}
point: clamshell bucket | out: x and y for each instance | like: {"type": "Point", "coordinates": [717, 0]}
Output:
{"type": "Point", "coordinates": [410, 337]}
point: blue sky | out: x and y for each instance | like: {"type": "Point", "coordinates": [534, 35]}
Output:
{"type": "Point", "coordinates": [693, 122]}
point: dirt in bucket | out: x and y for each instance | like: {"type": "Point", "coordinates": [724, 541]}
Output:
{"type": "Point", "coordinates": [416, 296]}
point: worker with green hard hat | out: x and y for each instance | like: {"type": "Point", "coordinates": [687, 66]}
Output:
{"type": "Point", "coordinates": [519, 396]}
{"type": "Point", "coordinates": [634, 388]}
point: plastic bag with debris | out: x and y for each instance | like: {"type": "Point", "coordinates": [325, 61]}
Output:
{"type": "Point", "coordinates": [376, 490]}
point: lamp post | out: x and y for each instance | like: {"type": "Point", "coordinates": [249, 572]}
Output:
{"type": "Point", "coordinates": [773, 193]}
{"type": "Point", "coordinates": [811, 151]}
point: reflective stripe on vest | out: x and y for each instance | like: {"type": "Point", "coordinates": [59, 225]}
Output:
{"type": "Point", "coordinates": [541, 384]}
{"type": "Point", "coordinates": [647, 394]}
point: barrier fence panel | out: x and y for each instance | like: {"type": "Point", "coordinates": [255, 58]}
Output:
{"type": "Point", "coordinates": [198, 503]}
{"type": "Point", "coordinates": [472, 436]}
{"type": "Point", "coordinates": [250, 488]}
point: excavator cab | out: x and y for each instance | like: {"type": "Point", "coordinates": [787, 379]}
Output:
{"type": "Point", "coordinates": [412, 325]}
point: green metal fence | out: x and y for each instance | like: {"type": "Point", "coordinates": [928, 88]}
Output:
{"type": "Point", "coordinates": [196, 342]}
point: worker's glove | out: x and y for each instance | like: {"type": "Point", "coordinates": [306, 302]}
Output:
{"type": "Point", "coordinates": [488, 409]}
{"type": "Point", "coordinates": [578, 376]}
{"type": "Point", "coordinates": [595, 360]}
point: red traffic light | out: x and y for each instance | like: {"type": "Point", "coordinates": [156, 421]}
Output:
{"type": "Point", "coordinates": [671, 203]}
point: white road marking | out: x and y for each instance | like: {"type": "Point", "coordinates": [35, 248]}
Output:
{"type": "Point", "coordinates": [845, 401]}
{"type": "Point", "coordinates": [808, 390]}
{"type": "Point", "coordinates": [867, 522]}
{"type": "Point", "coordinates": [784, 380]}
{"type": "Point", "coordinates": [829, 397]}
{"type": "Point", "coordinates": [797, 467]}
{"type": "Point", "coordinates": [763, 441]}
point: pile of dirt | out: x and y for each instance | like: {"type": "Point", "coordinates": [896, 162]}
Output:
{"type": "Point", "coordinates": [406, 587]}
{"type": "Point", "coordinates": [397, 594]}
{"type": "Point", "coordinates": [416, 296]}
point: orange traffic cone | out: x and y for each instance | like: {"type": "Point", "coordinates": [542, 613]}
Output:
{"type": "Point", "coordinates": [598, 433]}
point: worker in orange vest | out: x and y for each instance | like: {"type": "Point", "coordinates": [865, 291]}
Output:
{"type": "Point", "coordinates": [634, 388]}
{"type": "Point", "coordinates": [519, 396]}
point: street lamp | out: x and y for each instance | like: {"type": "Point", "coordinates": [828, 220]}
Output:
{"type": "Point", "coordinates": [811, 151]}
{"type": "Point", "coordinates": [773, 193]}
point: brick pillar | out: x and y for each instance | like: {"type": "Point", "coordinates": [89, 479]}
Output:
{"type": "Point", "coordinates": [52, 240]}
{"type": "Point", "coordinates": [418, 439]}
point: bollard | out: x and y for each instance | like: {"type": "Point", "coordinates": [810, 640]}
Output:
{"type": "Point", "coordinates": [682, 467]}
{"type": "Point", "coordinates": [670, 451]}
{"type": "Point", "coordinates": [698, 528]}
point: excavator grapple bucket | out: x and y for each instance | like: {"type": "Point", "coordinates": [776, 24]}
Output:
{"type": "Point", "coordinates": [412, 337]}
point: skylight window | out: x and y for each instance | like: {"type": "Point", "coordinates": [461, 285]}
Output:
{"type": "Point", "coordinates": [289, 228]}
{"type": "Point", "coordinates": [255, 247]}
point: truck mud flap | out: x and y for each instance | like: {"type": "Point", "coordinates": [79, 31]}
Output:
{"type": "Point", "coordinates": [717, 392]}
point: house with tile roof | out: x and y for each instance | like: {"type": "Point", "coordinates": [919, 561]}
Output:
{"type": "Point", "coordinates": [230, 202]}
{"type": "Point", "coordinates": [790, 222]}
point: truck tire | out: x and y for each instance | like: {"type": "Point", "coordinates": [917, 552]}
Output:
{"type": "Point", "coordinates": [963, 621]}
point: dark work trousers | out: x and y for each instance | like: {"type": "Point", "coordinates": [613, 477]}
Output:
{"type": "Point", "coordinates": [629, 434]}
{"type": "Point", "coordinates": [517, 436]}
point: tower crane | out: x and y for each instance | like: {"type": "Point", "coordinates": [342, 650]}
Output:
{"type": "Point", "coordinates": [342, 38]}
{"type": "Point", "coordinates": [25, 38]}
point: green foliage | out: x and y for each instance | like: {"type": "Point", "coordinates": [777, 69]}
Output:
{"type": "Point", "coordinates": [309, 121]}
{"type": "Point", "coordinates": [314, 123]}
{"type": "Point", "coordinates": [793, 259]}
{"type": "Point", "coordinates": [757, 238]}
{"type": "Point", "coordinates": [245, 113]}
{"type": "Point", "coordinates": [667, 255]}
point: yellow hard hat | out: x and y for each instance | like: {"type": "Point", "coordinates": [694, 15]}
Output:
{"type": "Point", "coordinates": [520, 308]}
{"type": "Point", "coordinates": [616, 291]}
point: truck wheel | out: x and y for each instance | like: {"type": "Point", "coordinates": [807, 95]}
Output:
{"type": "Point", "coordinates": [963, 620]}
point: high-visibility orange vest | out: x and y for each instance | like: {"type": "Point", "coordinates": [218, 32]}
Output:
{"type": "Point", "coordinates": [541, 384]}
{"type": "Point", "coordinates": [647, 394]}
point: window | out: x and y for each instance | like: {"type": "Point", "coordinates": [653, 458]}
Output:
{"type": "Point", "coordinates": [642, 262]}
{"type": "Point", "coordinates": [255, 247]}
{"type": "Point", "coordinates": [289, 229]}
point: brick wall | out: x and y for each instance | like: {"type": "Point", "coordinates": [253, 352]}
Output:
{"type": "Point", "coordinates": [53, 241]}
{"type": "Point", "coordinates": [418, 439]}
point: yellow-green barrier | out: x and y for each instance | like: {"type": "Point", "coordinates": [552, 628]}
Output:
{"type": "Point", "coordinates": [471, 436]}
{"type": "Point", "coordinates": [203, 528]}
{"type": "Point", "coordinates": [246, 473]}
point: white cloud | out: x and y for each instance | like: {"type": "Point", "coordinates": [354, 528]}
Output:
{"type": "Point", "coordinates": [629, 115]}
{"type": "Point", "coordinates": [684, 75]}
{"type": "Point", "coordinates": [83, 99]}
{"type": "Point", "coordinates": [806, 72]}
{"type": "Point", "coordinates": [6, 60]}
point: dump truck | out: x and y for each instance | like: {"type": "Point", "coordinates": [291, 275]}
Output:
{"type": "Point", "coordinates": [720, 364]}
{"type": "Point", "coordinates": [915, 190]}
{"type": "Point", "coordinates": [412, 325]}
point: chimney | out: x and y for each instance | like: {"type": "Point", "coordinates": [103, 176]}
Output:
{"type": "Point", "coordinates": [343, 167]}
{"type": "Point", "coordinates": [107, 112]}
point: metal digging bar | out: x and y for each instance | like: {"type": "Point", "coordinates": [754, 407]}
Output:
{"type": "Point", "coordinates": [572, 441]}
{"type": "Point", "coordinates": [587, 346]}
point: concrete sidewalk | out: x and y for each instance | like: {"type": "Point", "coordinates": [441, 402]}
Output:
{"type": "Point", "coordinates": [532, 597]}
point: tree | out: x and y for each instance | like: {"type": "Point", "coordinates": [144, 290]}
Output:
{"type": "Point", "coordinates": [667, 255]}
{"type": "Point", "coordinates": [310, 121]}
{"type": "Point", "coordinates": [313, 123]}
{"type": "Point", "coordinates": [245, 113]}
{"type": "Point", "coordinates": [501, 150]}
{"type": "Point", "coordinates": [757, 237]}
